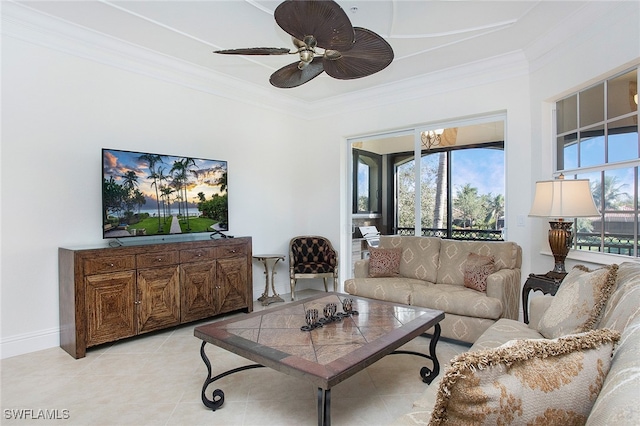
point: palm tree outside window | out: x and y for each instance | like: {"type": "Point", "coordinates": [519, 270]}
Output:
{"type": "Point", "coordinates": [597, 139]}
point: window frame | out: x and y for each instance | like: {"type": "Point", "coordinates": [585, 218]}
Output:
{"type": "Point", "coordinates": [399, 158]}
{"type": "Point", "coordinates": [375, 182]}
{"type": "Point", "coordinates": [578, 168]}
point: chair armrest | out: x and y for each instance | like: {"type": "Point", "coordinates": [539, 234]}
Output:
{"type": "Point", "coordinates": [504, 285]}
{"type": "Point", "coordinates": [361, 269]}
{"type": "Point", "coordinates": [537, 307]}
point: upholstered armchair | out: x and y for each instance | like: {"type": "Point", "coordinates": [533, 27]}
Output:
{"type": "Point", "coordinates": [312, 256]}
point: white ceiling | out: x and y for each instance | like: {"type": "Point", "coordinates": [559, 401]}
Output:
{"type": "Point", "coordinates": [427, 36]}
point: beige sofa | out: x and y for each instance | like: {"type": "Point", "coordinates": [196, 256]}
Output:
{"type": "Point", "coordinates": [431, 275]}
{"type": "Point", "coordinates": [613, 390]}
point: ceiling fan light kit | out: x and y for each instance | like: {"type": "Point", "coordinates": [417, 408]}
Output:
{"type": "Point", "coordinates": [325, 41]}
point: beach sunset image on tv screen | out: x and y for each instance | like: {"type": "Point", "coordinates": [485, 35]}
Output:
{"type": "Point", "coordinates": [152, 194]}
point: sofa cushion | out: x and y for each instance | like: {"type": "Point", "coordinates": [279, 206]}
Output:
{"type": "Point", "coordinates": [384, 262]}
{"type": "Point", "coordinates": [454, 253]}
{"type": "Point", "coordinates": [503, 331]}
{"type": "Point", "coordinates": [476, 271]}
{"type": "Point", "coordinates": [455, 299]}
{"type": "Point", "coordinates": [397, 289]}
{"type": "Point", "coordinates": [463, 328]}
{"type": "Point", "coordinates": [579, 302]}
{"type": "Point", "coordinates": [622, 306]}
{"type": "Point", "coordinates": [419, 255]}
{"type": "Point", "coordinates": [617, 403]}
{"type": "Point", "coordinates": [535, 381]}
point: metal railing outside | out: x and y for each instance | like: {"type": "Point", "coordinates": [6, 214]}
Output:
{"type": "Point", "coordinates": [456, 234]}
{"type": "Point", "coordinates": [613, 243]}
{"type": "Point", "coordinates": [622, 244]}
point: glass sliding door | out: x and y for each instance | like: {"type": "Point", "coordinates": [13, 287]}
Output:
{"type": "Point", "coordinates": [478, 192]}
{"type": "Point", "coordinates": [443, 181]}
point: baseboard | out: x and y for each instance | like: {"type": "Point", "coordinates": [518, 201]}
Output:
{"type": "Point", "coordinates": [29, 342]}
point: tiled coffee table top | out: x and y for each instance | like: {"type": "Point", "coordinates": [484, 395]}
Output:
{"type": "Point", "coordinates": [326, 355]}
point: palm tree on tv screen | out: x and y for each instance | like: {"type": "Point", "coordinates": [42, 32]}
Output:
{"type": "Point", "coordinates": [166, 191]}
{"type": "Point", "coordinates": [114, 196]}
{"type": "Point", "coordinates": [152, 159]}
{"type": "Point", "coordinates": [180, 171]}
{"type": "Point", "coordinates": [130, 183]}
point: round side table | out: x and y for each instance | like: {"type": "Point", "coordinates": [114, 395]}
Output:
{"type": "Point", "coordinates": [269, 261]}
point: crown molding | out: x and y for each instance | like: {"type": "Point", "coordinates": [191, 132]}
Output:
{"type": "Point", "coordinates": [470, 75]}
{"type": "Point", "coordinates": [23, 23]}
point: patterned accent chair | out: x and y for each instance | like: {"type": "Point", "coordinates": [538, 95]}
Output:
{"type": "Point", "coordinates": [312, 256]}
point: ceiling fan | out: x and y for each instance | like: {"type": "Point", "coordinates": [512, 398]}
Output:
{"type": "Point", "coordinates": [325, 40]}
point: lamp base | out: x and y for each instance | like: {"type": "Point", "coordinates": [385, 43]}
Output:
{"type": "Point", "coordinates": [560, 242]}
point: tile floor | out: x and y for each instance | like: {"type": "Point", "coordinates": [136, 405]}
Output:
{"type": "Point", "coordinates": [156, 379]}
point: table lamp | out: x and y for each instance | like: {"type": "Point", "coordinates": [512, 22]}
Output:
{"type": "Point", "coordinates": [560, 198]}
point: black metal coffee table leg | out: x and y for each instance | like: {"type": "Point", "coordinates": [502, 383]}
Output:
{"type": "Point", "coordinates": [324, 407]}
{"type": "Point", "coordinates": [218, 395]}
{"type": "Point", "coordinates": [428, 374]}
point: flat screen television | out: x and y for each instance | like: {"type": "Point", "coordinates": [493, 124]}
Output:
{"type": "Point", "coordinates": [146, 194]}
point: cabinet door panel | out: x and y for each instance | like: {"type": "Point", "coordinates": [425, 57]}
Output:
{"type": "Point", "coordinates": [158, 298]}
{"type": "Point", "coordinates": [110, 307]}
{"type": "Point", "coordinates": [198, 297]}
{"type": "Point", "coordinates": [232, 284]}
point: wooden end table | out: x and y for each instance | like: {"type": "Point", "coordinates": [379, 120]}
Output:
{"type": "Point", "coordinates": [547, 283]}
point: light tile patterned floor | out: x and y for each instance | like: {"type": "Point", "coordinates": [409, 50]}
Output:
{"type": "Point", "coordinates": [156, 380]}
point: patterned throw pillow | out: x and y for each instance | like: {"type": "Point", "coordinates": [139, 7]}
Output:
{"type": "Point", "coordinates": [384, 262]}
{"type": "Point", "coordinates": [536, 382]}
{"type": "Point", "coordinates": [579, 302]}
{"type": "Point", "coordinates": [477, 269]}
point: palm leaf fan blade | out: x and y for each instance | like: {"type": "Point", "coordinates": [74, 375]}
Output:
{"type": "Point", "coordinates": [255, 51]}
{"type": "Point", "coordinates": [370, 54]}
{"type": "Point", "coordinates": [292, 76]}
{"type": "Point", "coordinates": [324, 20]}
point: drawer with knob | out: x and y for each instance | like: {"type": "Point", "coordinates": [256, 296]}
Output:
{"type": "Point", "coordinates": [161, 258]}
{"type": "Point", "coordinates": [197, 255]}
{"type": "Point", "coordinates": [231, 250]}
{"type": "Point", "coordinates": [104, 264]}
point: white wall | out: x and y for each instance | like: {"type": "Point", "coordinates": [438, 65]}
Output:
{"type": "Point", "coordinates": [59, 111]}
{"type": "Point", "coordinates": [608, 46]}
{"type": "Point", "coordinates": [286, 176]}
{"type": "Point", "coordinates": [509, 95]}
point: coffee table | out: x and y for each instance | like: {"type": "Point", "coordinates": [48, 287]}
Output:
{"type": "Point", "coordinates": [326, 355]}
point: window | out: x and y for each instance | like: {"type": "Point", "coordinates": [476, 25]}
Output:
{"type": "Point", "coordinates": [367, 181]}
{"type": "Point", "coordinates": [467, 181]}
{"type": "Point", "coordinates": [447, 182]}
{"type": "Point", "coordinates": [597, 139]}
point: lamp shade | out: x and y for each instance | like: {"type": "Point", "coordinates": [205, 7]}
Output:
{"type": "Point", "coordinates": [561, 198]}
